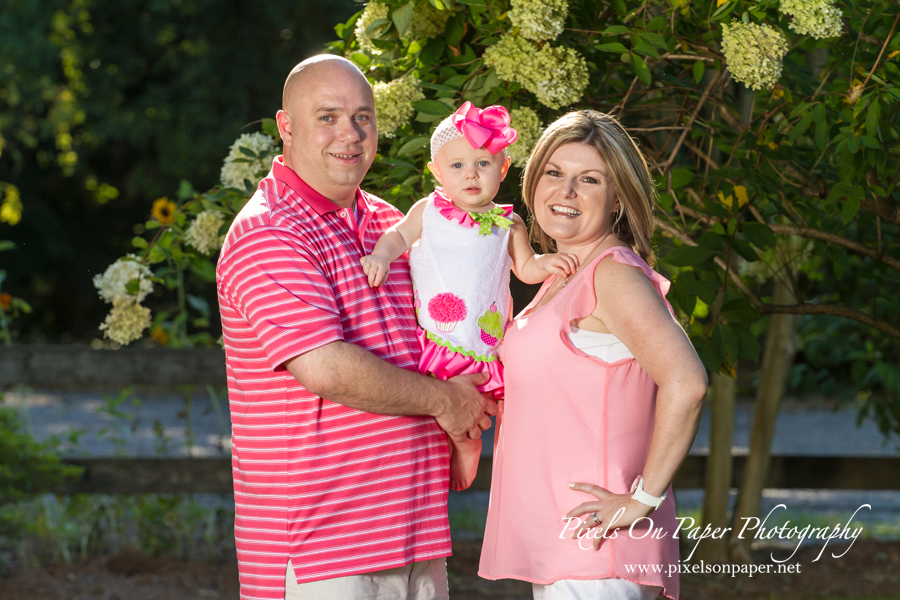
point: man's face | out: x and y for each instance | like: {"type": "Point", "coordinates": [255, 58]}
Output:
{"type": "Point", "coordinates": [330, 134]}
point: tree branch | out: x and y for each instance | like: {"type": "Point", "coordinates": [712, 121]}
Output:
{"type": "Point", "coordinates": [806, 232]}
{"type": "Point", "coordinates": [882, 208]}
{"type": "Point", "coordinates": [833, 310]}
{"type": "Point", "coordinates": [831, 238]}
{"type": "Point", "coordinates": [713, 84]}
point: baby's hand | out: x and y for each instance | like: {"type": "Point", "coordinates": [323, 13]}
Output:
{"type": "Point", "coordinates": [376, 269]}
{"type": "Point", "coordinates": [562, 264]}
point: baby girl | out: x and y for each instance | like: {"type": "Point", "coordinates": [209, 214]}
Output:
{"type": "Point", "coordinates": [461, 248]}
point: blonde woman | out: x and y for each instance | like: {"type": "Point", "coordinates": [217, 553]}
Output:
{"type": "Point", "coordinates": [604, 390]}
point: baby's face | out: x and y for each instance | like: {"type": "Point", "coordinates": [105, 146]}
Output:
{"type": "Point", "coordinates": [470, 177]}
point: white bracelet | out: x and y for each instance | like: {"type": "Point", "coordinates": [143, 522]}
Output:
{"type": "Point", "coordinates": [644, 498]}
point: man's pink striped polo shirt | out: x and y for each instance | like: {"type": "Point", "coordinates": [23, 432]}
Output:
{"type": "Point", "coordinates": [337, 490]}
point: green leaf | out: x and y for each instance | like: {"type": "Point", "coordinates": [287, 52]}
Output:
{"type": "Point", "coordinates": [641, 69]}
{"type": "Point", "coordinates": [821, 135]}
{"type": "Point", "coordinates": [849, 210]}
{"type": "Point", "coordinates": [157, 255]}
{"type": "Point", "coordinates": [744, 249]}
{"type": "Point", "coordinates": [681, 178]}
{"type": "Point", "coordinates": [739, 311]}
{"type": "Point", "coordinates": [872, 117]}
{"type": "Point", "coordinates": [759, 234]}
{"type": "Point", "coordinates": [705, 352]}
{"type": "Point", "coordinates": [432, 107]}
{"type": "Point", "coordinates": [138, 242]}
{"type": "Point", "coordinates": [749, 343]}
{"type": "Point", "coordinates": [698, 70]}
{"type": "Point", "coordinates": [643, 46]}
{"type": "Point", "coordinates": [646, 50]}
{"type": "Point", "coordinates": [412, 145]}
{"type": "Point", "coordinates": [619, 6]}
{"type": "Point", "coordinates": [801, 127]}
{"type": "Point", "coordinates": [403, 16]}
{"type": "Point", "coordinates": [247, 152]}
{"type": "Point", "coordinates": [456, 28]}
{"type": "Point", "coordinates": [614, 47]}
{"type": "Point", "coordinates": [688, 256]}
{"type": "Point", "coordinates": [819, 114]}
{"type": "Point", "coordinates": [133, 286]}
{"type": "Point", "coordinates": [853, 144]}
{"type": "Point", "coordinates": [725, 341]}
{"type": "Point", "coordinates": [361, 59]}
{"type": "Point", "coordinates": [657, 24]}
{"type": "Point", "coordinates": [7, 245]}
{"type": "Point", "coordinates": [432, 51]}
{"type": "Point", "coordinates": [615, 30]}
{"type": "Point", "coordinates": [869, 142]}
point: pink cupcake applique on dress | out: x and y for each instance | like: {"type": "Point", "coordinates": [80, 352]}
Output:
{"type": "Point", "coordinates": [491, 324]}
{"type": "Point", "coordinates": [447, 310]}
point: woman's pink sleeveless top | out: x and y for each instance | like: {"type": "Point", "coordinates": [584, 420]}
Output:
{"type": "Point", "coordinates": [570, 417]}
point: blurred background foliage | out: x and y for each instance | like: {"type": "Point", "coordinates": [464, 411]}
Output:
{"type": "Point", "coordinates": [107, 105]}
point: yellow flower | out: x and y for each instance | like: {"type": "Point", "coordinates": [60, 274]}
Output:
{"type": "Point", "coordinates": [159, 334]}
{"type": "Point", "coordinates": [739, 191]}
{"type": "Point", "coordinates": [5, 301]}
{"type": "Point", "coordinates": [164, 210]}
{"type": "Point", "coordinates": [11, 208]}
{"type": "Point", "coordinates": [893, 54]}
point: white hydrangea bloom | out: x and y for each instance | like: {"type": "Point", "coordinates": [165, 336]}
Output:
{"type": "Point", "coordinates": [393, 103]}
{"type": "Point", "coordinates": [427, 22]}
{"type": "Point", "coordinates": [374, 11]}
{"type": "Point", "coordinates": [556, 76]}
{"type": "Point", "coordinates": [539, 20]}
{"type": "Point", "coordinates": [111, 284]}
{"type": "Point", "coordinates": [126, 321]}
{"type": "Point", "coordinates": [238, 166]}
{"type": "Point", "coordinates": [203, 233]}
{"type": "Point", "coordinates": [527, 124]}
{"type": "Point", "coordinates": [753, 53]}
{"type": "Point", "coordinates": [818, 18]}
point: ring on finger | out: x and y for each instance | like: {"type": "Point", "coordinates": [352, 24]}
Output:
{"type": "Point", "coordinates": [594, 516]}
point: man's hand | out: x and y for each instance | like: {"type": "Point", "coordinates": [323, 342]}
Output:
{"type": "Point", "coordinates": [376, 269]}
{"type": "Point", "coordinates": [468, 412]}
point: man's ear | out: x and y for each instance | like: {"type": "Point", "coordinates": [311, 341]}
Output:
{"type": "Point", "coordinates": [434, 171]}
{"type": "Point", "coordinates": [505, 168]}
{"type": "Point", "coordinates": [284, 126]}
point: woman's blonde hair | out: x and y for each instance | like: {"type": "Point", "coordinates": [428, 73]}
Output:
{"type": "Point", "coordinates": [625, 164]}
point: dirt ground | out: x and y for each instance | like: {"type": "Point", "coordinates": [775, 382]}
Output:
{"type": "Point", "coordinates": [871, 569]}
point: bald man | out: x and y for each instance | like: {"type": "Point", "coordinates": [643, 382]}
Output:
{"type": "Point", "coordinates": [339, 452]}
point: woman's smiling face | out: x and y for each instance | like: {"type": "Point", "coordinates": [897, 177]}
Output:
{"type": "Point", "coordinates": [575, 198]}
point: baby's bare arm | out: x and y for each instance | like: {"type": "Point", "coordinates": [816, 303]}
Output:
{"type": "Point", "coordinates": [395, 241]}
{"type": "Point", "coordinates": [535, 268]}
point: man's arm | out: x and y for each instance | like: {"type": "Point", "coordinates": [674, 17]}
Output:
{"type": "Point", "coordinates": [350, 375]}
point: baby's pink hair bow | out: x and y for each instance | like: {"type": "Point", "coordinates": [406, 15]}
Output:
{"type": "Point", "coordinates": [488, 127]}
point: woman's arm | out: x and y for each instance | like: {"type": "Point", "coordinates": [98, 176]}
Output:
{"type": "Point", "coordinates": [631, 309]}
{"type": "Point", "coordinates": [535, 268]}
{"type": "Point", "coordinates": [393, 243]}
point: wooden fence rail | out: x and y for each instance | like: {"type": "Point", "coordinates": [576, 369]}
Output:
{"type": "Point", "coordinates": [213, 475]}
{"type": "Point", "coordinates": [74, 365]}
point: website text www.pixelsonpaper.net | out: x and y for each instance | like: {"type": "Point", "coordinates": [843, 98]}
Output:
{"type": "Point", "coordinates": [704, 568]}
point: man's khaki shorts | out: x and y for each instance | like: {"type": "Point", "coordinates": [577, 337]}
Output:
{"type": "Point", "coordinates": [424, 580]}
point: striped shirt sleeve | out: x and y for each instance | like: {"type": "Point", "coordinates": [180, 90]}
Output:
{"type": "Point", "coordinates": [282, 292]}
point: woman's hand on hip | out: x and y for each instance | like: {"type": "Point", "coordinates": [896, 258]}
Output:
{"type": "Point", "coordinates": [613, 511]}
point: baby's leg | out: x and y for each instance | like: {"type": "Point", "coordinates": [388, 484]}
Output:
{"type": "Point", "coordinates": [463, 463]}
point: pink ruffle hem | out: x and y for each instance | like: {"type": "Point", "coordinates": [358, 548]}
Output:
{"type": "Point", "coordinates": [444, 363]}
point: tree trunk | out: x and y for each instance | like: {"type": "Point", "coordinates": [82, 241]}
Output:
{"type": "Point", "coordinates": [777, 360]}
{"type": "Point", "coordinates": [717, 479]}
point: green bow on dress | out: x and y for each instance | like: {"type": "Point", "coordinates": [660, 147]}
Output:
{"type": "Point", "coordinates": [491, 217]}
